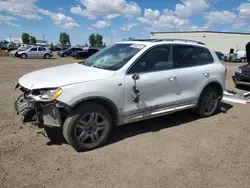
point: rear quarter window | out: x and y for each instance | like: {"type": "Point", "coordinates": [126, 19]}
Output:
{"type": "Point", "coordinates": [205, 56]}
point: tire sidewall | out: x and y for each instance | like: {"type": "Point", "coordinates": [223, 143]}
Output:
{"type": "Point", "coordinates": [46, 56]}
{"type": "Point", "coordinates": [200, 109]}
{"type": "Point", "coordinates": [71, 122]}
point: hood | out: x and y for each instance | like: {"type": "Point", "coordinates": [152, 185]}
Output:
{"type": "Point", "coordinates": [63, 75]}
{"type": "Point", "coordinates": [245, 66]}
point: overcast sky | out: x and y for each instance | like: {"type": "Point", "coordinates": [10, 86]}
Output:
{"type": "Point", "coordinates": [119, 18]}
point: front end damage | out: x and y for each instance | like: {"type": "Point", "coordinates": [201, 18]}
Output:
{"type": "Point", "coordinates": [39, 112]}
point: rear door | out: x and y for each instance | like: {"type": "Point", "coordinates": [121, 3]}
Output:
{"type": "Point", "coordinates": [41, 51]}
{"type": "Point", "coordinates": [192, 70]}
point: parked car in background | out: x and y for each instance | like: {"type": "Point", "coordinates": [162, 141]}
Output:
{"type": "Point", "coordinates": [12, 47]}
{"type": "Point", "coordinates": [84, 53]}
{"type": "Point", "coordinates": [68, 51]}
{"type": "Point", "coordinates": [240, 56]}
{"type": "Point", "coordinates": [14, 53]}
{"type": "Point", "coordinates": [3, 47]}
{"type": "Point", "coordinates": [220, 55]}
{"type": "Point", "coordinates": [242, 76]}
{"type": "Point", "coordinates": [35, 52]}
{"type": "Point", "coordinates": [124, 83]}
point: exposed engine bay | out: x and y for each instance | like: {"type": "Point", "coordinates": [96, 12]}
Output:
{"type": "Point", "coordinates": [40, 113]}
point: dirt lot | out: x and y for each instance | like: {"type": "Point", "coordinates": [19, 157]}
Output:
{"type": "Point", "coordinates": [178, 150]}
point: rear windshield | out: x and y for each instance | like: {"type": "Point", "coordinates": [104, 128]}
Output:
{"type": "Point", "coordinates": [113, 57]}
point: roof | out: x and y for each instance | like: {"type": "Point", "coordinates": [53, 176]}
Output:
{"type": "Point", "coordinates": [238, 33]}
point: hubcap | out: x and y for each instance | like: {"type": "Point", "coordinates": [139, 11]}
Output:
{"type": "Point", "coordinates": [91, 128]}
{"type": "Point", "coordinates": [209, 102]}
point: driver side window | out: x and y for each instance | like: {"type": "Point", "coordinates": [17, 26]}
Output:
{"type": "Point", "coordinates": [157, 59]}
{"type": "Point", "coordinates": [34, 49]}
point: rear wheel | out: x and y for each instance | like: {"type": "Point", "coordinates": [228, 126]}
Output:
{"type": "Point", "coordinates": [23, 56]}
{"type": "Point", "coordinates": [208, 102]}
{"type": "Point", "coordinates": [88, 127]}
{"type": "Point", "coordinates": [46, 56]}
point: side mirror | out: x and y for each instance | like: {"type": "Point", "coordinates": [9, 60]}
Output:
{"type": "Point", "coordinates": [136, 77]}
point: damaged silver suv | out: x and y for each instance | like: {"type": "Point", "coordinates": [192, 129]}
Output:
{"type": "Point", "coordinates": [126, 82]}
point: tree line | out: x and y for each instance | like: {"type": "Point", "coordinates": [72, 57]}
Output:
{"type": "Point", "coordinates": [28, 39]}
{"type": "Point", "coordinates": [95, 40]}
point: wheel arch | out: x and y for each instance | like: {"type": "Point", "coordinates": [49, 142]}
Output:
{"type": "Point", "coordinates": [217, 85]}
{"type": "Point", "coordinates": [105, 102]}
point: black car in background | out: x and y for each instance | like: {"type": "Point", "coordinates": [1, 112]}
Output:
{"type": "Point", "coordinates": [242, 73]}
{"type": "Point", "coordinates": [242, 76]}
{"type": "Point", "coordinates": [68, 51]}
{"type": "Point", "coordinates": [84, 53]}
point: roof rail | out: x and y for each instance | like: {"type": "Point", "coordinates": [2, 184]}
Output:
{"type": "Point", "coordinates": [183, 40]}
{"type": "Point", "coordinates": [160, 40]}
{"type": "Point", "coordinates": [143, 40]}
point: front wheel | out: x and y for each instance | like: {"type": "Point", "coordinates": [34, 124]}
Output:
{"type": "Point", "coordinates": [208, 102]}
{"type": "Point", "coordinates": [88, 127]}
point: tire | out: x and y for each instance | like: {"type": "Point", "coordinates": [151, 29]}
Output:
{"type": "Point", "coordinates": [82, 133]}
{"type": "Point", "coordinates": [208, 102]}
{"type": "Point", "coordinates": [46, 56]}
{"type": "Point", "coordinates": [23, 56]}
{"type": "Point", "coordinates": [65, 55]}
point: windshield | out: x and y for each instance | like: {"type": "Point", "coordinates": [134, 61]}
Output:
{"type": "Point", "coordinates": [113, 57]}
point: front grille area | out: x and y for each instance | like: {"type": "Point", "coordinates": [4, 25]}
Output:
{"type": "Point", "coordinates": [246, 73]}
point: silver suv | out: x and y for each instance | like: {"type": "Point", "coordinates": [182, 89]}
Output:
{"type": "Point", "coordinates": [36, 52]}
{"type": "Point", "coordinates": [126, 82]}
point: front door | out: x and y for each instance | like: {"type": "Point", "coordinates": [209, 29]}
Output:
{"type": "Point", "coordinates": [32, 52]}
{"type": "Point", "coordinates": [156, 83]}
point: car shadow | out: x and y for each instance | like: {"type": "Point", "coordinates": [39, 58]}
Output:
{"type": "Point", "coordinates": [152, 125]}
{"type": "Point", "coordinates": [157, 124]}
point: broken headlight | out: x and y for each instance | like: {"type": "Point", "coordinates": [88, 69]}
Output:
{"type": "Point", "coordinates": [51, 95]}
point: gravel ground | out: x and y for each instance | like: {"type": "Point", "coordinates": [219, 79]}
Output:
{"type": "Point", "coordinates": [178, 150]}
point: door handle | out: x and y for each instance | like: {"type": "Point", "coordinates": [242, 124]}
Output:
{"type": "Point", "coordinates": [206, 74]}
{"type": "Point", "coordinates": [171, 77]}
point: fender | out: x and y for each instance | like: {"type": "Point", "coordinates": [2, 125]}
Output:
{"type": "Point", "coordinates": [109, 104]}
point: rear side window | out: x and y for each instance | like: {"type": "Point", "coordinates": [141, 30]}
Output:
{"type": "Point", "coordinates": [41, 49]}
{"type": "Point", "coordinates": [189, 56]}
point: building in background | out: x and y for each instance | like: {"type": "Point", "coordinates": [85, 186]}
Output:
{"type": "Point", "coordinates": [225, 42]}
{"type": "Point", "coordinates": [41, 42]}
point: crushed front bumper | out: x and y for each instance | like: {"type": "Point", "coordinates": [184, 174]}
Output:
{"type": "Point", "coordinates": [39, 113]}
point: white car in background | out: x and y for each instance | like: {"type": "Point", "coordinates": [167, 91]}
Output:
{"type": "Point", "coordinates": [23, 47]}
{"type": "Point", "coordinates": [126, 82]}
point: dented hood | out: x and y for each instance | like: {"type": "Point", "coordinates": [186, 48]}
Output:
{"type": "Point", "coordinates": [63, 75]}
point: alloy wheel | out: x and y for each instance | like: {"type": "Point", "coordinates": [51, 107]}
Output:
{"type": "Point", "coordinates": [209, 102]}
{"type": "Point", "coordinates": [91, 128]}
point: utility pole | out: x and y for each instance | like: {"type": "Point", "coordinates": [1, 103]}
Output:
{"type": "Point", "coordinates": [10, 38]}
